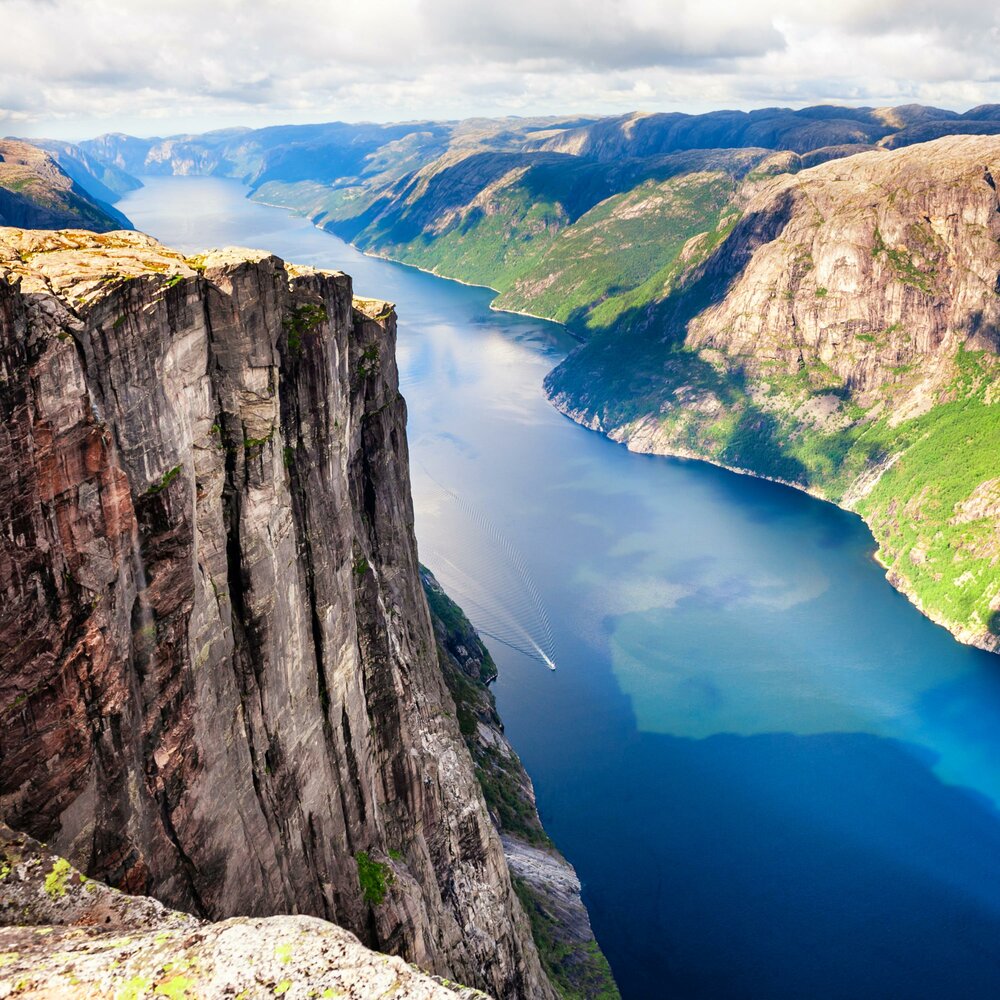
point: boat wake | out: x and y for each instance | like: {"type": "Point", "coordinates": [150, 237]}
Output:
{"type": "Point", "coordinates": [492, 585]}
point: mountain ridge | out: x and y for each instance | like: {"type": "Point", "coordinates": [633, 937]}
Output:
{"type": "Point", "coordinates": [37, 193]}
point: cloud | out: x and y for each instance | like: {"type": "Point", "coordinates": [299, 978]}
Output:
{"type": "Point", "coordinates": [619, 34]}
{"type": "Point", "coordinates": [83, 66]}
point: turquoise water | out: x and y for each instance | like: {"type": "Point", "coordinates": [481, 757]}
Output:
{"type": "Point", "coordinates": [775, 777]}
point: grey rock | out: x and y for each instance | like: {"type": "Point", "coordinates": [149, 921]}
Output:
{"type": "Point", "coordinates": [218, 678]}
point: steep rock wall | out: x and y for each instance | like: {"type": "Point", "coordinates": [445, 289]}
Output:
{"type": "Point", "coordinates": [217, 671]}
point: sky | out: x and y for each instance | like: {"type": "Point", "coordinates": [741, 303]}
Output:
{"type": "Point", "coordinates": [76, 68]}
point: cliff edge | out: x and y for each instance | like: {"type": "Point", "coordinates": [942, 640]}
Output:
{"type": "Point", "coordinates": [63, 934]}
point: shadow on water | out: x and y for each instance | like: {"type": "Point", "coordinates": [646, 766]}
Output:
{"type": "Point", "coordinates": [780, 866]}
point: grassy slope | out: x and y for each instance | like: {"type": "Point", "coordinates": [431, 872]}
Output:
{"type": "Point", "coordinates": [917, 511]}
{"type": "Point", "coordinates": [568, 240]}
{"type": "Point", "coordinates": [592, 270]}
{"type": "Point", "coordinates": [941, 553]}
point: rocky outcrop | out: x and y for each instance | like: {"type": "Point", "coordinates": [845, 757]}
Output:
{"type": "Point", "coordinates": [218, 678]}
{"type": "Point", "coordinates": [36, 193]}
{"type": "Point", "coordinates": [63, 934]}
{"type": "Point", "coordinates": [843, 338]}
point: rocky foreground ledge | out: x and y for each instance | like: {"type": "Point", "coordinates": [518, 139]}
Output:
{"type": "Point", "coordinates": [65, 935]}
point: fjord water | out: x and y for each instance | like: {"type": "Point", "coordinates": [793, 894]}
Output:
{"type": "Point", "coordinates": [774, 776]}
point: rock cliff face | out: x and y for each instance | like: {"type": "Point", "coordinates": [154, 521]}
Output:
{"type": "Point", "coordinates": [217, 671]}
{"type": "Point", "coordinates": [546, 882]}
{"type": "Point", "coordinates": [844, 337]}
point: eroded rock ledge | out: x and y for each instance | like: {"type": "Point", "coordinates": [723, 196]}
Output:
{"type": "Point", "coordinates": [65, 935]}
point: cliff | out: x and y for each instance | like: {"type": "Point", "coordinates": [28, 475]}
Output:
{"type": "Point", "coordinates": [844, 338]}
{"type": "Point", "coordinates": [36, 193]}
{"type": "Point", "coordinates": [218, 678]}
{"type": "Point", "coordinates": [63, 934]}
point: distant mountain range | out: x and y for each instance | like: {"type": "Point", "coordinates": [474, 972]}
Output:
{"type": "Point", "coordinates": [743, 297]}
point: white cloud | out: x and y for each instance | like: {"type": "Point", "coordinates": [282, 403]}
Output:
{"type": "Point", "coordinates": [77, 67]}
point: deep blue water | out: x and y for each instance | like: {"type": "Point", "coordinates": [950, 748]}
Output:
{"type": "Point", "coordinates": [775, 777]}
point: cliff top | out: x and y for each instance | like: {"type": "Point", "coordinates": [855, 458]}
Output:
{"type": "Point", "coordinates": [884, 174]}
{"type": "Point", "coordinates": [75, 263]}
{"type": "Point", "coordinates": [15, 153]}
{"type": "Point", "coordinates": [376, 309]}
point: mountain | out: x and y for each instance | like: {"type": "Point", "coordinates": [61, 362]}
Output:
{"type": "Point", "coordinates": [220, 683]}
{"type": "Point", "coordinates": [351, 158]}
{"type": "Point", "coordinates": [577, 220]}
{"type": "Point", "coordinates": [581, 220]}
{"type": "Point", "coordinates": [37, 193]}
{"type": "Point", "coordinates": [603, 224]}
{"type": "Point", "coordinates": [335, 153]}
{"type": "Point", "coordinates": [842, 337]}
{"type": "Point", "coordinates": [557, 235]}
{"type": "Point", "coordinates": [103, 181]}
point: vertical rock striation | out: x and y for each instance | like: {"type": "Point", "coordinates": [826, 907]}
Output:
{"type": "Point", "coordinates": [218, 681]}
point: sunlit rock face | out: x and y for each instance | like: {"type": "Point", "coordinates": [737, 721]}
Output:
{"type": "Point", "coordinates": [218, 681]}
{"type": "Point", "coordinates": [843, 338]}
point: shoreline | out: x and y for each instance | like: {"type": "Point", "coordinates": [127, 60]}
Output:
{"type": "Point", "coordinates": [966, 638]}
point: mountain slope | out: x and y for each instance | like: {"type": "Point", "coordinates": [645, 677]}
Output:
{"type": "Point", "coordinates": [36, 193]}
{"type": "Point", "coordinates": [102, 181]}
{"type": "Point", "coordinates": [584, 222]}
{"type": "Point", "coordinates": [556, 235]}
{"type": "Point", "coordinates": [844, 338]}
